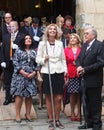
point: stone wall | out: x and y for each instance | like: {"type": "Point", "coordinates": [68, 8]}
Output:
{"type": "Point", "coordinates": [92, 12]}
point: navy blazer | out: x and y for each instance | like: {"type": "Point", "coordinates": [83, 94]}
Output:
{"type": "Point", "coordinates": [39, 34]}
{"type": "Point", "coordinates": [92, 61]}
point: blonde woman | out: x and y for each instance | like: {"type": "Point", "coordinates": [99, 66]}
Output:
{"type": "Point", "coordinates": [57, 62]}
{"type": "Point", "coordinates": [71, 53]}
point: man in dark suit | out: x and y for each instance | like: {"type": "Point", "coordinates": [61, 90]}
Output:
{"type": "Point", "coordinates": [35, 31]}
{"type": "Point", "coordinates": [65, 37]}
{"type": "Point", "coordinates": [4, 29]}
{"type": "Point", "coordinates": [90, 64]}
{"type": "Point", "coordinates": [6, 57]}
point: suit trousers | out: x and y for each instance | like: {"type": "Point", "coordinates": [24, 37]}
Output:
{"type": "Point", "coordinates": [94, 105]}
{"type": "Point", "coordinates": [7, 79]}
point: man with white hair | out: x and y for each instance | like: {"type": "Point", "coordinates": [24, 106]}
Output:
{"type": "Point", "coordinates": [90, 64]}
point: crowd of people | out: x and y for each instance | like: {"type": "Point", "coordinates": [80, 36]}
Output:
{"type": "Point", "coordinates": [70, 67]}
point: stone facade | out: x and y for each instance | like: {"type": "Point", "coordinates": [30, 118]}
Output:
{"type": "Point", "coordinates": [92, 12]}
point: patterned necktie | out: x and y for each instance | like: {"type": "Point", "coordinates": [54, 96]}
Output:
{"type": "Point", "coordinates": [88, 46]}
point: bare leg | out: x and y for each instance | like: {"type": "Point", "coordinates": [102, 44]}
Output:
{"type": "Point", "coordinates": [78, 105]}
{"type": "Point", "coordinates": [18, 104]}
{"type": "Point", "coordinates": [40, 97]}
{"type": "Point", "coordinates": [57, 104]}
{"type": "Point", "coordinates": [49, 106]}
{"type": "Point", "coordinates": [28, 104]}
{"type": "Point", "coordinates": [72, 104]}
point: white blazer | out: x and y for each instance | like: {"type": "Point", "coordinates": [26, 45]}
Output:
{"type": "Point", "coordinates": [57, 60]}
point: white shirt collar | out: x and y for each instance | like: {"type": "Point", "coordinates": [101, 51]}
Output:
{"type": "Point", "coordinates": [91, 42]}
{"type": "Point", "coordinates": [16, 33]}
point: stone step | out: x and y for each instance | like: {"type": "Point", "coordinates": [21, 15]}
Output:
{"type": "Point", "coordinates": [7, 112]}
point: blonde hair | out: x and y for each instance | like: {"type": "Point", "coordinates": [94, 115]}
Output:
{"type": "Point", "coordinates": [46, 34]}
{"type": "Point", "coordinates": [78, 39]}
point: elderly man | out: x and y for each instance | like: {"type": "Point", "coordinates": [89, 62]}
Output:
{"type": "Point", "coordinates": [90, 66]}
{"type": "Point", "coordinates": [7, 54]}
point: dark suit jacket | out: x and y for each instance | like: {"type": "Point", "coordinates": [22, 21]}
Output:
{"type": "Point", "coordinates": [24, 30]}
{"type": "Point", "coordinates": [39, 34]}
{"type": "Point", "coordinates": [63, 41]}
{"type": "Point", "coordinates": [3, 30]}
{"type": "Point", "coordinates": [5, 52]}
{"type": "Point", "coordinates": [93, 62]}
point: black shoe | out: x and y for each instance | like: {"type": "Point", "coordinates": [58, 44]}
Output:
{"type": "Point", "coordinates": [85, 126]}
{"type": "Point", "coordinates": [18, 121]}
{"type": "Point", "coordinates": [6, 102]}
{"type": "Point", "coordinates": [27, 119]}
{"type": "Point", "coordinates": [59, 124]}
{"type": "Point", "coordinates": [13, 99]}
{"type": "Point", "coordinates": [51, 125]}
{"type": "Point", "coordinates": [97, 127]}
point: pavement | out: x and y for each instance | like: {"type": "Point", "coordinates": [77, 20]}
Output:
{"type": "Point", "coordinates": [41, 123]}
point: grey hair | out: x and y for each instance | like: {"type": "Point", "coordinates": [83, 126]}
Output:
{"type": "Point", "coordinates": [89, 26]}
{"type": "Point", "coordinates": [94, 32]}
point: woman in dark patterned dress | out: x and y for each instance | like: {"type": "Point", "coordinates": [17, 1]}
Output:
{"type": "Point", "coordinates": [23, 83]}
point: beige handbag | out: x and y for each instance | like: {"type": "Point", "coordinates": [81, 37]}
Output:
{"type": "Point", "coordinates": [39, 79]}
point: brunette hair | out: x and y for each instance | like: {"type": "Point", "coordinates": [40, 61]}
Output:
{"type": "Point", "coordinates": [68, 17]}
{"type": "Point", "coordinates": [22, 45]}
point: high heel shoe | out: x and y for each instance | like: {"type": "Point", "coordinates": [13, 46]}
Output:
{"type": "Point", "coordinates": [59, 124]}
{"type": "Point", "coordinates": [29, 120]}
{"type": "Point", "coordinates": [73, 119]}
{"type": "Point", "coordinates": [78, 118]}
{"type": "Point", "coordinates": [39, 108]}
{"type": "Point", "coordinates": [18, 121]}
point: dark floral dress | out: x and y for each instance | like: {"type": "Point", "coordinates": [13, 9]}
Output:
{"type": "Point", "coordinates": [20, 85]}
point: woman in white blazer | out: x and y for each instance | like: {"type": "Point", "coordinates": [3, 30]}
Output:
{"type": "Point", "coordinates": [51, 50]}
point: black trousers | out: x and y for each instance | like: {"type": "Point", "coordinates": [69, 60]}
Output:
{"type": "Point", "coordinates": [7, 80]}
{"type": "Point", "coordinates": [0, 70]}
{"type": "Point", "coordinates": [94, 106]}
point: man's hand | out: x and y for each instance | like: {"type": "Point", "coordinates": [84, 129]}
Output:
{"type": "Point", "coordinates": [0, 44]}
{"type": "Point", "coordinates": [36, 38]}
{"type": "Point", "coordinates": [14, 46]}
{"type": "Point", "coordinates": [80, 70]}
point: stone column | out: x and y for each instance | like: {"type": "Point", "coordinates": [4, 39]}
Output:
{"type": "Point", "coordinates": [92, 12]}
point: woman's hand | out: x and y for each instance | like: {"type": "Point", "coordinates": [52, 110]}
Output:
{"type": "Point", "coordinates": [66, 78]}
{"type": "Point", "coordinates": [31, 75]}
{"type": "Point", "coordinates": [25, 74]}
{"type": "Point", "coordinates": [46, 58]}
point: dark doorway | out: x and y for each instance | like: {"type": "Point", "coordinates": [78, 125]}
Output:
{"type": "Point", "coordinates": [64, 7]}
{"type": "Point", "coordinates": [48, 8]}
